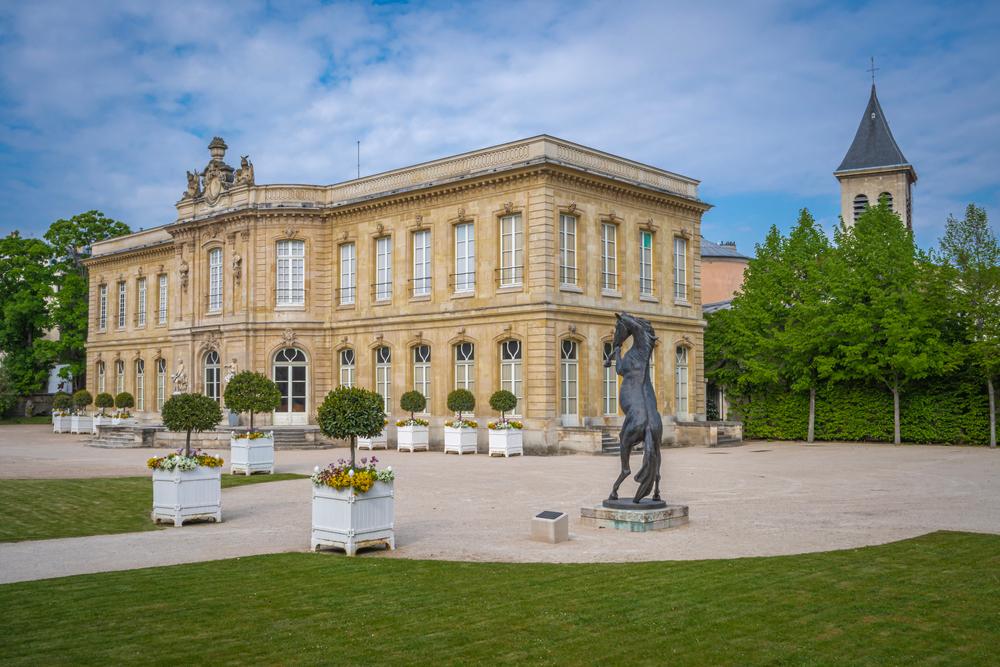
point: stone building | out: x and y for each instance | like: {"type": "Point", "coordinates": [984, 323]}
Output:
{"type": "Point", "coordinates": [722, 268]}
{"type": "Point", "coordinates": [498, 268]}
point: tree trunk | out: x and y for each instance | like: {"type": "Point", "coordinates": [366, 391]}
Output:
{"type": "Point", "coordinates": [812, 413]}
{"type": "Point", "coordinates": [187, 444]}
{"type": "Point", "coordinates": [895, 416]}
{"type": "Point", "coordinates": [251, 421]}
{"type": "Point", "coordinates": [353, 442]}
{"type": "Point", "coordinates": [993, 412]}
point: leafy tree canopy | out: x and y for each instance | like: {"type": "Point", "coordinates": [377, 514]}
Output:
{"type": "Point", "coordinates": [461, 400]}
{"type": "Point", "coordinates": [253, 393]}
{"type": "Point", "coordinates": [124, 400]}
{"type": "Point", "coordinates": [412, 401]}
{"type": "Point", "coordinates": [190, 412]}
{"type": "Point", "coordinates": [350, 413]}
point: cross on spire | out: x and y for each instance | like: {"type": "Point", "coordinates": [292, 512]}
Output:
{"type": "Point", "coordinates": [873, 69]}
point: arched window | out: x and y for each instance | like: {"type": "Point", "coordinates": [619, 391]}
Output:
{"type": "Point", "coordinates": [383, 376]}
{"type": "Point", "coordinates": [140, 385]}
{"type": "Point", "coordinates": [569, 377]}
{"type": "Point", "coordinates": [161, 383]}
{"type": "Point", "coordinates": [212, 375]}
{"type": "Point", "coordinates": [860, 205]}
{"type": "Point", "coordinates": [465, 366]}
{"type": "Point", "coordinates": [681, 381]}
{"type": "Point", "coordinates": [422, 371]}
{"type": "Point", "coordinates": [510, 369]}
{"type": "Point", "coordinates": [610, 381]}
{"type": "Point", "coordinates": [291, 290]}
{"type": "Point", "coordinates": [290, 375]}
{"type": "Point", "coordinates": [119, 376]}
{"type": "Point", "coordinates": [886, 197]}
{"type": "Point", "coordinates": [347, 367]}
{"type": "Point", "coordinates": [215, 280]}
{"type": "Point", "coordinates": [100, 377]}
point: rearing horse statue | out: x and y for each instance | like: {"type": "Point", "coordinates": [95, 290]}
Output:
{"type": "Point", "coordinates": [638, 401]}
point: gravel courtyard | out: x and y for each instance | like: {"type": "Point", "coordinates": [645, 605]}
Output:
{"type": "Point", "coordinates": [760, 499]}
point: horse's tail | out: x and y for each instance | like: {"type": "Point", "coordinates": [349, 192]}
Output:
{"type": "Point", "coordinates": [647, 473]}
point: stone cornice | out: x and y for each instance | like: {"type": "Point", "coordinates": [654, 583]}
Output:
{"type": "Point", "coordinates": [142, 251]}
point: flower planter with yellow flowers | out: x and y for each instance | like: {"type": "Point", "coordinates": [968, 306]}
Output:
{"type": "Point", "coordinates": [186, 488]}
{"type": "Point", "coordinates": [505, 438]}
{"type": "Point", "coordinates": [251, 452]}
{"type": "Point", "coordinates": [460, 436]}
{"type": "Point", "coordinates": [352, 508]}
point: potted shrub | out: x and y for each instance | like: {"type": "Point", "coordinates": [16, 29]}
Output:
{"type": "Point", "coordinates": [252, 451]}
{"type": "Point", "coordinates": [80, 422]}
{"type": "Point", "coordinates": [459, 433]}
{"type": "Point", "coordinates": [62, 404]}
{"type": "Point", "coordinates": [187, 484]}
{"type": "Point", "coordinates": [505, 434]}
{"type": "Point", "coordinates": [380, 440]}
{"type": "Point", "coordinates": [411, 433]}
{"type": "Point", "coordinates": [123, 402]}
{"type": "Point", "coordinates": [103, 401]}
{"type": "Point", "coordinates": [352, 505]}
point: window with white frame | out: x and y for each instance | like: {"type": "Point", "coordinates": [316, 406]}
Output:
{"type": "Point", "coordinates": [140, 288]}
{"type": "Point", "coordinates": [383, 376]}
{"type": "Point", "coordinates": [465, 257]}
{"type": "Point", "coordinates": [511, 251]}
{"type": "Point", "coordinates": [140, 385]}
{"type": "Point", "coordinates": [510, 369]}
{"type": "Point", "coordinates": [680, 268]}
{"type": "Point", "coordinates": [100, 377]}
{"type": "Point", "coordinates": [161, 383]}
{"type": "Point", "coordinates": [645, 262]}
{"type": "Point", "coordinates": [215, 280]}
{"type": "Point", "coordinates": [291, 289]}
{"type": "Point", "coordinates": [681, 380]}
{"type": "Point", "coordinates": [569, 377]}
{"type": "Point", "coordinates": [102, 307]}
{"type": "Point", "coordinates": [212, 376]}
{"type": "Point", "coordinates": [610, 393]}
{"type": "Point", "coordinates": [122, 303]}
{"type": "Point", "coordinates": [383, 268]}
{"type": "Point", "coordinates": [609, 256]}
{"type": "Point", "coordinates": [347, 367]}
{"type": "Point", "coordinates": [348, 273]}
{"type": "Point", "coordinates": [465, 366]}
{"type": "Point", "coordinates": [567, 249]}
{"type": "Point", "coordinates": [161, 304]}
{"type": "Point", "coordinates": [422, 262]}
{"type": "Point", "coordinates": [119, 377]}
{"type": "Point", "coordinates": [422, 371]}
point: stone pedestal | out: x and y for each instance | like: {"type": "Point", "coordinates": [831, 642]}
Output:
{"type": "Point", "coordinates": [551, 527]}
{"type": "Point", "coordinates": [634, 520]}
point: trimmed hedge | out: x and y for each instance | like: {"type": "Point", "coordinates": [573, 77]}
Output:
{"type": "Point", "coordinates": [940, 411]}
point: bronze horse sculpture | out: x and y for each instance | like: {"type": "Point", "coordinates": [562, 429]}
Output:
{"type": "Point", "coordinates": [642, 422]}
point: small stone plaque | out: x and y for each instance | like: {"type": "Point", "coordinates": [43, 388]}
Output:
{"type": "Point", "coordinates": [549, 526]}
{"type": "Point", "coordinates": [548, 514]}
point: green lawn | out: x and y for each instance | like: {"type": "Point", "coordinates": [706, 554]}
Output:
{"type": "Point", "coordinates": [37, 419]}
{"type": "Point", "coordinates": [927, 601]}
{"type": "Point", "coordinates": [41, 509]}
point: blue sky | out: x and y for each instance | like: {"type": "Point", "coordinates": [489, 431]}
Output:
{"type": "Point", "coordinates": [106, 104]}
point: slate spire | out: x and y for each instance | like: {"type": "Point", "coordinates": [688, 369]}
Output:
{"type": "Point", "coordinates": [874, 146]}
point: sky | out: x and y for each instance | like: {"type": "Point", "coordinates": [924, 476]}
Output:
{"type": "Point", "coordinates": [106, 105]}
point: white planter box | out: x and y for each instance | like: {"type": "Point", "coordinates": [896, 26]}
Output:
{"type": "Point", "coordinates": [115, 421]}
{"type": "Point", "coordinates": [412, 438]}
{"type": "Point", "coordinates": [98, 420]}
{"type": "Point", "coordinates": [60, 424]}
{"type": "Point", "coordinates": [379, 442]}
{"type": "Point", "coordinates": [182, 495]}
{"type": "Point", "coordinates": [81, 424]}
{"type": "Point", "coordinates": [352, 521]}
{"type": "Point", "coordinates": [506, 441]}
{"type": "Point", "coordinates": [460, 440]}
{"type": "Point", "coordinates": [249, 456]}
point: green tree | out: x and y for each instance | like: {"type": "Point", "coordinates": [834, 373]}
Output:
{"type": "Point", "coordinates": [71, 242]}
{"type": "Point", "coordinates": [82, 399]}
{"type": "Point", "coordinates": [503, 402]}
{"type": "Point", "coordinates": [190, 412]}
{"type": "Point", "coordinates": [461, 400]}
{"type": "Point", "coordinates": [124, 400]}
{"type": "Point", "coordinates": [349, 413]}
{"type": "Point", "coordinates": [104, 400]}
{"type": "Point", "coordinates": [412, 401]}
{"type": "Point", "coordinates": [971, 258]}
{"type": "Point", "coordinates": [252, 392]}
{"type": "Point", "coordinates": [886, 307]}
{"type": "Point", "coordinates": [62, 401]}
{"type": "Point", "coordinates": [25, 287]}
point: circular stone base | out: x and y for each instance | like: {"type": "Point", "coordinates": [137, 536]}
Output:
{"type": "Point", "coordinates": [629, 504]}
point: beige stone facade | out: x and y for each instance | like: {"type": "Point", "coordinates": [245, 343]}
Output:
{"type": "Point", "coordinates": [562, 237]}
{"type": "Point", "coordinates": [873, 184]}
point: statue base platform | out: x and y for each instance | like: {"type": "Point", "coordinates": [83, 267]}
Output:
{"type": "Point", "coordinates": [641, 519]}
{"type": "Point", "coordinates": [629, 504]}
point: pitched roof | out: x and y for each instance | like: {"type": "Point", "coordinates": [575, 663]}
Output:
{"type": "Point", "coordinates": [709, 249]}
{"type": "Point", "coordinates": [873, 144]}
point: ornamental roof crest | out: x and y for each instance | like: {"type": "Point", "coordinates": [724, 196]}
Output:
{"type": "Point", "coordinates": [217, 176]}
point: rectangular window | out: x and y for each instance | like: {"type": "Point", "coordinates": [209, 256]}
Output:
{"type": "Point", "coordinates": [421, 263]}
{"type": "Point", "coordinates": [465, 366]}
{"type": "Point", "coordinates": [383, 377]}
{"type": "Point", "coordinates": [102, 307]}
{"type": "Point", "coordinates": [422, 372]}
{"type": "Point", "coordinates": [215, 280]}
{"type": "Point", "coordinates": [645, 263]}
{"type": "Point", "coordinates": [465, 257]}
{"type": "Point", "coordinates": [161, 304]}
{"type": "Point", "coordinates": [610, 381]}
{"type": "Point", "coordinates": [119, 377]}
{"type": "Point", "coordinates": [680, 268]}
{"type": "Point", "coordinates": [681, 381]}
{"type": "Point", "coordinates": [609, 257]}
{"type": "Point", "coordinates": [291, 289]}
{"type": "Point", "coordinates": [511, 251]}
{"type": "Point", "coordinates": [122, 297]}
{"type": "Point", "coordinates": [567, 249]}
{"type": "Point", "coordinates": [140, 385]}
{"type": "Point", "coordinates": [161, 383]}
{"type": "Point", "coordinates": [348, 270]}
{"type": "Point", "coordinates": [347, 368]}
{"type": "Point", "coordinates": [569, 372]}
{"type": "Point", "coordinates": [100, 377]}
{"type": "Point", "coordinates": [140, 318]}
{"type": "Point", "coordinates": [510, 370]}
{"type": "Point", "coordinates": [383, 268]}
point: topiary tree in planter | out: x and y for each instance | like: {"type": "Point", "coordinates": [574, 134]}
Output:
{"type": "Point", "coordinates": [503, 402]}
{"type": "Point", "coordinates": [82, 399]}
{"type": "Point", "coordinates": [461, 400]}
{"type": "Point", "coordinates": [190, 412]}
{"type": "Point", "coordinates": [62, 401]}
{"type": "Point", "coordinates": [412, 401]}
{"type": "Point", "coordinates": [349, 413]}
{"type": "Point", "coordinates": [124, 400]}
{"type": "Point", "coordinates": [252, 392]}
{"type": "Point", "coordinates": [104, 400]}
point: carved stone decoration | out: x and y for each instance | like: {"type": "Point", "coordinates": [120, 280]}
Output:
{"type": "Point", "coordinates": [156, 355]}
{"type": "Point", "coordinates": [232, 368]}
{"type": "Point", "coordinates": [179, 378]}
{"type": "Point", "coordinates": [98, 357]}
{"type": "Point", "coordinates": [237, 266]}
{"type": "Point", "coordinates": [245, 234]}
{"type": "Point", "coordinates": [344, 235]}
{"type": "Point", "coordinates": [194, 185]}
{"type": "Point", "coordinates": [211, 342]}
{"type": "Point", "coordinates": [244, 175]}
{"type": "Point", "coordinates": [218, 176]}
{"type": "Point", "coordinates": [288, 336]}
{"type": "Point", "coordinates": [139, 272]}
{"type": "Point", "coordinates": [508, 207]}
{"type": "Point", "coordinates": [137, 355]}
{"type": "Point", "coordinates": [572, 328]}
{"type": "Point", "coordinates": [182, 271]}
{"type": "Point", "coordinates": [461, 213]}
{"type": "Point", "coordinates": [420, 221]}
{"type": "Point", "coordinates": [571, 209]}
{"type": "Point", "coordinates": [461, 331]}
{"type": "Point", "coordinates": [343, 339]}
{"type": "Point", "coordinates": [118, 355]}
{"type": "Point", "coordinates": [648, 225]}
{"type": "Point", "coordinates": [290, 231]}
{"type": "Point", "coordinates": [379, 228]}
{"type": "Point", "coordinates": [378, 338]}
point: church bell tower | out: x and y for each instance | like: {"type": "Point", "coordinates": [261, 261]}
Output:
{"type": "Point", "coordinates": [874, 168]}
